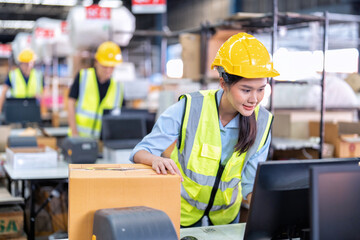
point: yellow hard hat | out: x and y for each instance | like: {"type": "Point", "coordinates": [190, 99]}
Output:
{"type": "Point", "coordinates": [26, 56]}
{"type": "Point", "coordinates": [108, 54]}
{"type": "Point", "coordinates": [243, 55]}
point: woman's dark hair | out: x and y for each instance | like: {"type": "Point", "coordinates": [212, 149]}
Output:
{"type": "Point", "coordinates": [247, 125]}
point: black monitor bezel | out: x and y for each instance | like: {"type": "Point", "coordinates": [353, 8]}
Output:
{"type": "Point", "coordinates": [19, 105]}
{"type": "Point", "coordinates": [315, 173]}
{"type": "Point", "coordinates": [257, 227]}
{"type": "Point", "coordinates": [120, 119]}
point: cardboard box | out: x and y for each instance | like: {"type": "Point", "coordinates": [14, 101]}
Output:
{"type": "Point", "coordinates": [285, 127]}
{"type": "Point", "coordinates": [99, 186]}
{"type": "Point", "coordinates": [343, 135]}
{"type": "Point", "coordinates": [295, 123]}
{"type": "Point", "coordinates": [35, 157]}
{"type": "Point", "coordinates": [190, 55]}
{"type": "Point", "coordinates": [5, 133]}
{"type": "Point", "coordinates": [46, 142]}
{"type": "Point", "coordinates": [11, 222]}
{"type": "Point", "coordinates": [23, 237]}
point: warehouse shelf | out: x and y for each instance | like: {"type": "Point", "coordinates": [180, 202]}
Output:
{"type": "Point", "coordinates": [269, 23]}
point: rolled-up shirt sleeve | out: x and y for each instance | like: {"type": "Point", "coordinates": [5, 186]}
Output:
{"type": "Point", "coordinates": [164, 133]}
{"type": "Point", "coordinates": [248, 176]}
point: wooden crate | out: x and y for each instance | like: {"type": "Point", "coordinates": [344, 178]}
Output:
{"type": "Point", "coordinates": [11, 221]}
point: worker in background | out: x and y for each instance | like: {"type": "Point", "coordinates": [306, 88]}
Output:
{"type": "Point", "coordinates": [94, 90]}
{"type": "Point", "coordinates": [221, 136]}
{"type": "Point", "coordinates": [25, 81]}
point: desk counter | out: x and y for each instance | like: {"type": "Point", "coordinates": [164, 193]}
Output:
{"type": "Point", "coordinates": [219, 232]}
{"type": "Point", "coordinates": [52, 131]}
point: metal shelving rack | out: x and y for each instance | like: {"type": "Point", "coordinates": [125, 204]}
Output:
{"type": "Point", "coordinates": [265, 23]}
{"type": "Point", "coordinates": [269, 23]}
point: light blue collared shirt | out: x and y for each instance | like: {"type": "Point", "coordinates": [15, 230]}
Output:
{"type": "Point", "coordinates": [167, 129]}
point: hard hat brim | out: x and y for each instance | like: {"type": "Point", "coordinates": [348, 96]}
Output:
{"type": "Point", "coordinates": [109, 63]}
{"type": "Point", "coordinates": [25, 61]}
{"type": "Point", "coordinates": [255, 73]}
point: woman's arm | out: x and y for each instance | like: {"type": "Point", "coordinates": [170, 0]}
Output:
{"type": "Point", "coordinates": [164, 133]}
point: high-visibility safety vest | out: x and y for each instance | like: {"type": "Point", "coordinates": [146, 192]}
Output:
{"type": "Point", "coordinates": [209, 188]}
{"type": "Point", "coordinates": [19, 88]}
{"type": "Point", "coordinates": [89, 109]}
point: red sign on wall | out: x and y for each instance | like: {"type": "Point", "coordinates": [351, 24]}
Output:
{"type": "Point", "coordinates": [5, 50]}
{"type": "Point", "coordinates": [148, 6]}
{"type": "Point", "coordinates": [44, 33]}
{"type": "Point", "coordinates": [63, 27]}
{"type": "Point", "coordinates": [96, 12]}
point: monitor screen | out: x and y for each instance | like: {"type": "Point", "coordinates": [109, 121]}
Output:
{"type": "Point", "coordinates": [279, 206]}
{"type": "Point", "coordinates": [123, 127]}
{"type": "Point", "coordinates": [22, 110]}
{"type": "Point", "coordinates": [335, 202]}
{"type": "Point", "coordinates": [141, 113]}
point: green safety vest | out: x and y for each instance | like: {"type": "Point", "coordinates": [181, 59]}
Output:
{"type": "Point", "coordinates": [198, 154]}
{"type": "Point", "coordinates": [89, 109]}
{"type": "Point", "coordinates": [19, 88]}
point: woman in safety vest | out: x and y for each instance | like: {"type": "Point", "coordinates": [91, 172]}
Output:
{"type": "Point", "coordinates": [221, 136]}
{"type": "Point", "coordinates": [24, 81]}
{"type": "Point", "coordinates": [94, 90]}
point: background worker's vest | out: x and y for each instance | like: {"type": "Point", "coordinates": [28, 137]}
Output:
{"type": "Point", "coordinates": [198, 154]}
{"type": "Point", "coordinates": [89, 109]}
{"type": "Point", "coordinates": [19, 88]}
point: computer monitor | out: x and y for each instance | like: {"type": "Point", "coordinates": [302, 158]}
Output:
{"type": "Point", "coordinates": [123, 131]}
{"type": "Point", "coordinates": [22, 110]}
{"type": "Point", "coordinates": [279, 206]}
{"type": "Point", "coordinates": [335, 202]}
{"type": "Point", "coordinates": [141, 113]}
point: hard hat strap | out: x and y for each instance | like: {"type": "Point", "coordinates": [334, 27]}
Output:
{"type": "Point", "coordinates": [228, 78]}
{"type": "Point", "coordinates": [222, 73]}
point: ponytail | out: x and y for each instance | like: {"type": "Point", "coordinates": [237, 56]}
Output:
{"type": "Point", "coordinates": [247, 133]}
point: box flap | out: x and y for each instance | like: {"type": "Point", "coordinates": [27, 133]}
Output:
{"type": "Point", "coordinates": [113, 171]}
{"type": "Point", "coordinates": [349, 128]}
{"type": "Point", "coordinates": [100, 166]}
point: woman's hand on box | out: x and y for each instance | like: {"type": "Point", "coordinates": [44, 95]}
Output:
{"type": "Point", "coordinates": [162, 165]}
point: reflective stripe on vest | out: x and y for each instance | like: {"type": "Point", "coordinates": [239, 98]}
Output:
{"type": "Point", "coordinates": [20, 89]}
{"type": "Point", "coordinates": [89, 110]}
{"type": "Point", "coordinates": [198, 157]}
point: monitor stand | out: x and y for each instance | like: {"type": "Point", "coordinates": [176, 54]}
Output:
{"type": "Point", "coordinates": [304, 234]}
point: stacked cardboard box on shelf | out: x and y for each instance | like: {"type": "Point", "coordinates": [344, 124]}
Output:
{"type": "Point", "coordinates": [343, 135]}
{"type": "Point", "coordinates": [190, 55]}
{"type": "Point", "coordinates": [295, 123]}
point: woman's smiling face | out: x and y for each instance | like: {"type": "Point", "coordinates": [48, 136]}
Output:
{"type": "Point", "coordinates": [246, 94]}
